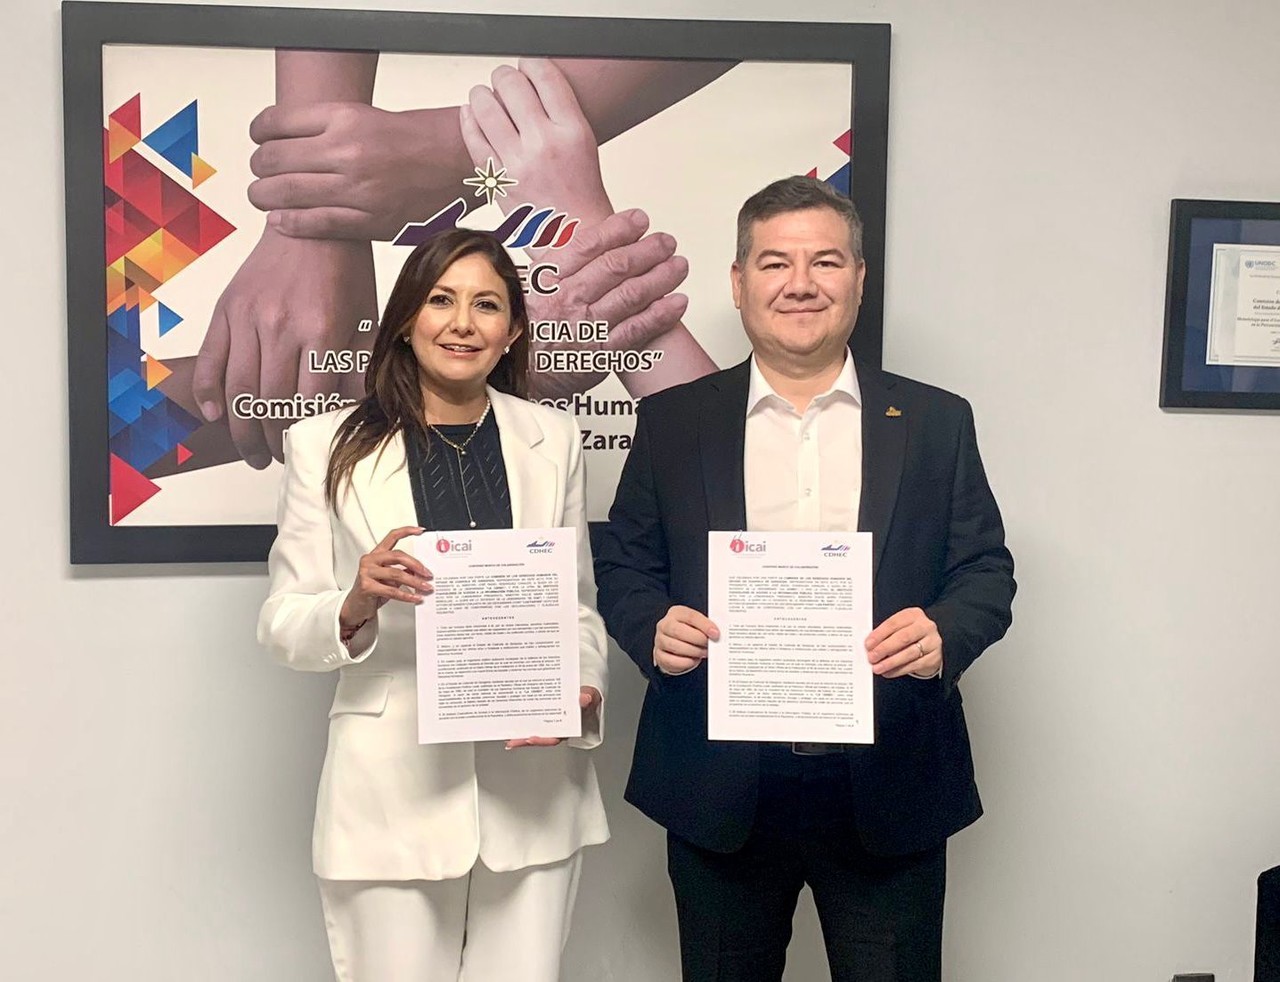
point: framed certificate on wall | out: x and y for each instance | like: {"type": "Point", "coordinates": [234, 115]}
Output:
{"type": "Point", "coordinates": [1222, 306]}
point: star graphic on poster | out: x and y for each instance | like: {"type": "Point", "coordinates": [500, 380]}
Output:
{"type": "Point", "coordinates": [490, 182]}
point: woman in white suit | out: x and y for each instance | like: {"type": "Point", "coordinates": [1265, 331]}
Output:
{"type": "Point", "coordinates": [419, 849]}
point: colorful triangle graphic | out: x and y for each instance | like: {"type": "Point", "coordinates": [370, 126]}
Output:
{"type": "Point", "coordinates": [177, 255]}
{"type": "Point", "coordinates": [177, 138]}
{"type": "Point", "coordinates": [156, 372]}
{"type": "Point", "coordinates": [840, 180]}
{"type": "Point", "coordinates": [200, 228]}
{"type": "Point", "coordinates": [845, 141]}
{"type": "Point", "coordinates": [142, 185]}
{"type": "Point", "coordinates": [126, 227]}
{"type": "Point", "coordinates": [125, 323]}
{"type": "Point", "coordinates": [201, 171]}
{"type": "Point", "coordinates": [169, 319]}
{"type": "Point", "coordinates": [129, 489]}
{"type": "Point", "coordinates": [183, 454]}
{"type": "Point", "coordinates": [115, 285]}
{"type": "Point", "coordinates": [129, 115]}
{"type": "Point", "coordinates": [138, 275]}
{"type": "Point", "coordinates": [119, 141]}
{"type": "Point", "coordinates": [175, 200]}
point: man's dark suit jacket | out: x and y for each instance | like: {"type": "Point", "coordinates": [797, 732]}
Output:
{"type": "Point", "coordinates": [938, 543]}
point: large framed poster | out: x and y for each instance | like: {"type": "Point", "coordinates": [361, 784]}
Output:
{"type": "Point", "coordinates": [243, 184]}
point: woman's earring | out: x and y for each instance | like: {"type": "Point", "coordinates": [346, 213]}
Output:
{"type": "Point", "coordinates": [404, 338]}
{"type": "Point", "coordinates": [507, 350]}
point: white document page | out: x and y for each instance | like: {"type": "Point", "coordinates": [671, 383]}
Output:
{"type": "Point", "coordinates": [1244, 307]}
{"type": "Point", "coordinates": [497, 639]}
{"type": "Point", "coordinates": [794, 611]}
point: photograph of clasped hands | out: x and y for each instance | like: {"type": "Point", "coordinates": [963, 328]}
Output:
{"type": "Point", "coordinates": [333, 174]}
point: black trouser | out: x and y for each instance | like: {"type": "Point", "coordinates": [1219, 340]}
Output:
{"type": "Point", "coordinates": [881, 916]}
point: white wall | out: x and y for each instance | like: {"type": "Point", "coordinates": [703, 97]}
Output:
{"type": "Point", "coordinates": [158, 774]}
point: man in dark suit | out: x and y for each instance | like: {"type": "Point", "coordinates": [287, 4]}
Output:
{"type": "Point", "coordinates": [795, 438]}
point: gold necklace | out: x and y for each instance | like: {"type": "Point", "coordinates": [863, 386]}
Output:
{"type": "Point", "coordinates": [460, 450]}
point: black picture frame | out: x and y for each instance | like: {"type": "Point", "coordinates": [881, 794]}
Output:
{"type": "Point", "coordinates": [1187, 380]}
{"type": "Point", "coordinates": [88, 26]}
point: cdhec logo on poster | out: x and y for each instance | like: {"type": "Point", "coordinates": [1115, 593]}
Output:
{"type": "Point", "coordinates": [527, 226]}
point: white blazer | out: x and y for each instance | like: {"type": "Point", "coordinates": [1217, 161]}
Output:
{"type": "Point", "coordinates": [388, 808]}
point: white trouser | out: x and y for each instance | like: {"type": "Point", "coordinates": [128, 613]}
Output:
{"type": "Point", "coordinates": [514, 925]}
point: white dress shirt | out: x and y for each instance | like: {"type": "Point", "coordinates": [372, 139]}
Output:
{"type": "Point", "coordinates": [803, 471]}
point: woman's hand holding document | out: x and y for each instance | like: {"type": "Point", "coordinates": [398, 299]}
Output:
{"type": "Point", "coordinates": [498, 637]}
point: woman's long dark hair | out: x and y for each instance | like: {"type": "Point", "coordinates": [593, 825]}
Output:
{"type": "Point", "coordinates": [393, 385]}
